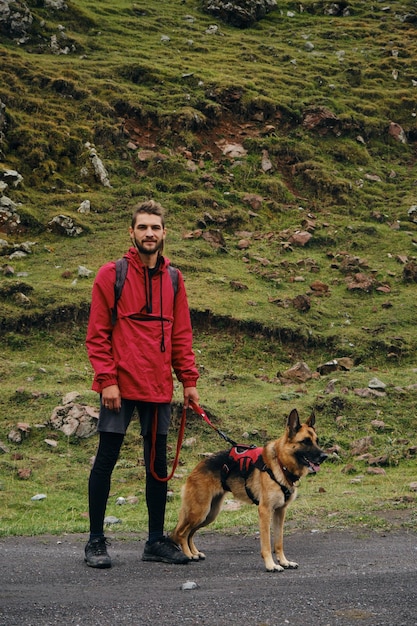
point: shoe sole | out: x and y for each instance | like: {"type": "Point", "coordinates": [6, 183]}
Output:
{"type": "Point", "coordinates": [98, 565]}
{"type": "Point", "coordinates": [161, 559]}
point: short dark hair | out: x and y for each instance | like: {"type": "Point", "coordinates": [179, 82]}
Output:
{"type": "Point", "coordinates": [151, 207]}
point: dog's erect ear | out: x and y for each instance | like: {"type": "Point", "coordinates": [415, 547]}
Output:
{"type": "Point", "coordinates": [311, 420]}
{"type": "Point", "coordinates": [293, 423]}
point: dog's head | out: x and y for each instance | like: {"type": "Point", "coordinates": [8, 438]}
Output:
{"type": "Point", "coordinates": [300, 451]}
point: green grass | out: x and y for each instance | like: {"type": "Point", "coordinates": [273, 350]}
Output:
{"type": "Point", "coordinates": [240, 389]}
{"type": "Point", "coordinates": [121, 82]}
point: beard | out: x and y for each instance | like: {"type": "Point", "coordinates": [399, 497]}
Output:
{"type": "Point", "coordinates": [149, 250]}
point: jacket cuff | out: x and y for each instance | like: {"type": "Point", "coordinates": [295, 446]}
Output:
{"type": "Point", "coordinates": [106, 380]}
{"type": "Point", "coordinates": [189, 383]}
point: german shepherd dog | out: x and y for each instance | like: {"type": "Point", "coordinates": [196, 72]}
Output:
{"type": "Point", "coordinates": [271, 483]}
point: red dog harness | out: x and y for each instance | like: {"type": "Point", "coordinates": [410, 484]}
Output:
{"type": "Point", "coordinates": [243, 460]}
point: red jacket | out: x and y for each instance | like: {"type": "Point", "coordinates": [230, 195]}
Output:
{"type": "Point", "coordinates": [151, 336]}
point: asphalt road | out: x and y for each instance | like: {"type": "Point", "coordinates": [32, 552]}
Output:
{"type": "Point", "coordinates": [343, 579]}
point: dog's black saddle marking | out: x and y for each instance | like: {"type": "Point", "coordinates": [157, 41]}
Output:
{"type": "Point", "coordinates": [242, 460]}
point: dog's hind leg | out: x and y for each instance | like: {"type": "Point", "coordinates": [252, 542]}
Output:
{"type": "Point", "coordinates": [212, 514]}
{"type": "Point", "coordinates": [197, 510]}
{"type": "Point", "coordinates": [278, 535]}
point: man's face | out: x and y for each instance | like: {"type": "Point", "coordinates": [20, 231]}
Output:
{"type": "Point", "coordinates": [148, 233]}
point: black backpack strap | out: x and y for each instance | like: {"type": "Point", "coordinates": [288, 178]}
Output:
{"type": "Point", "coordinates": [121, 272]}
{"type": "Point", "coordinates": [173, 272]}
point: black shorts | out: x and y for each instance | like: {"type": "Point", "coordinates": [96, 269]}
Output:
{"type": "Point", "coordinates": [117, 422]}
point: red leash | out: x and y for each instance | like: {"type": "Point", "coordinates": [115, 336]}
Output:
{"type": "Point", "coordinates": [164, 479]}
{"type": "Point", "coordinates": [202, 414]}
{"type": "Point", "coordinates": [197, 409]}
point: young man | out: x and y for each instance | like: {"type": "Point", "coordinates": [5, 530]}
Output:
{"type": "Point", "coordinates": [133, 358]}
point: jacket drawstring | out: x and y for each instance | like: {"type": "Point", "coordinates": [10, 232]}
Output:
{"type": "Point", "coordinates": [162, 316]}
{"type": "Point", "coordinates": [148, 295]}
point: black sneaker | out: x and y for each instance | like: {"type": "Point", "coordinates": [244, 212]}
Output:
{"type": "Point", "coordinates": [96, 553]}
{"type": "Point", "coordinates": [164, 550]}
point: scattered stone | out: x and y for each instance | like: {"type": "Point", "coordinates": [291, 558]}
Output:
{"type": "Point", "coordinates": [413, 486]}
{"type": "Point", "coordinates": [299, 372]}
{"type": "Point", "coordinates": [266, 164]}
{"type": "Point", "coordinates": [38, 496]}
{"type": "Point", "coordinates": [300, 238]}
{"type": "Point", "coordinates": [232, 505]}
{"type": "Point", "coordinates": [369, 393]}
{"type": "Point", "coordinates": [397, 132]}
{"type": "Point", "coordinates": [376, 471]}
{"type": "Point", "coordinates": [64, 225]}
{"type": "Point", "coordinates": [10, 220]}
{"type": "Point", "coordinates": [378, 460]}
{"type": "Point", "coordinates": [377, 384]}
{"type": "Point", "coordinates": [11, 177]}
{"type": "Point", "coordinates": [189, 586]}
{"type": "Point", "coordinates": [319, 287]}
{"type": "Point", "coordinates": [214, 238]}
{"type": "Point", "coordinates": [24, 427]}
{"type": "Point", "coordinates": [330, 387]}
{"type": "Point", "coordinates": [24, 473]}
{"type": "Point", "coordinates": [70, 397]}
{"type": "Point", "coordinates": [412, 213]}
{"type": "Point", "coordinates": [301, 303]}
{"type": "Point", "coordinates": [51, 442]}
{"type": "Point", "coordinates": [242, 14]}
{"type": "Point", "coordinates": [111, 519]}
{"type": "Point", "coordinates": [410, 272]}
{"type": "Point", "coordinates": [343, 364]}
{"type": "Point", "coordinates": [75, 420]}
{"type": "Point", "coordinates": [378, 424]}
{"type": "Point", "coordinates": [15, 436]}
{"type": "Point", "coordinates": [361, 282]}
{"type": "Point", "coordinates": [84, 272]}
{"type": "Point", "coordinates": [361, 446]}
{"type": "Point", "coordinates": [320, 118]}
{"type": "Point", "coordinates": [237, 286]}
{"type": "Point", "coordinates": [85, 207]}
{"type": "Point", "coordinates": [254, 200]}
{"type": "Point", "coordinates": [4, 449]}
{"type": "Point", "coordinates": [232, 150]}
{"type": "Point", "coordinates": [373, 177]}
{"type": "Point", "coordinates": [99, 169]}
{"type": "Point", "coordinates": [120, 501]}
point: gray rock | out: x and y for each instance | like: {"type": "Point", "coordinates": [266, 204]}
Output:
{"type": "Point", "coordinates": [64, 225]}
{"type": "Point", "coordinates": [111, 519]}
{"type": "Point", "coordinates": [242, 13]}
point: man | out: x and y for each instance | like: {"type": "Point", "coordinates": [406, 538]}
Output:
{"type": "Point", "coordinates": [133, 358]}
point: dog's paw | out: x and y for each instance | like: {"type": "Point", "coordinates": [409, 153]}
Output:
{"type": "Point", "coordinates": [273, 567]}
{"type": "Point", "coordinates": [198, 556]}
{"type": "Point", "coordinates": [289, 564]}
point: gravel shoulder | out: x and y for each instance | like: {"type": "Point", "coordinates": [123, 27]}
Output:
{"type": "Point", "coordinates": [343, 578]}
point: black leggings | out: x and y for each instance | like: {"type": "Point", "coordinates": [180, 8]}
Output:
{"type": "Point", "coordinates": [100, 479]}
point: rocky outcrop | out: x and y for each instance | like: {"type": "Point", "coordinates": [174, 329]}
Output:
{"type": "Point", "coordinates": [242, 13]}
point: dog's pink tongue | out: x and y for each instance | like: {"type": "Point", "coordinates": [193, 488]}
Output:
{"type": "Point", "coordinates": [314, 467]}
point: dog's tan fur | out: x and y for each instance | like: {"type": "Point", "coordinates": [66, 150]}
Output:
{"type": "Point", "coordinates": [289, 458]}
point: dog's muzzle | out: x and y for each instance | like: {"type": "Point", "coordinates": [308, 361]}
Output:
{"type": "Point", "coordinates": [314, 466]}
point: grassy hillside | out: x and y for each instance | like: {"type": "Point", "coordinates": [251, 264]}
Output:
{"type": "Point", "coordinates": [306, 98]}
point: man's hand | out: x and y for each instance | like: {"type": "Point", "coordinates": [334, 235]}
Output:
{"type": "Point", "coordinates": [190, 394]}
{"type": "Point", "coordinates": [111, 398]}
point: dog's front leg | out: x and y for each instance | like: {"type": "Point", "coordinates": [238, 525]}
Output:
{"type": "Point", "coordinates": [265, 532]}
{"type": "Point", "coordinates": [278, 534]}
